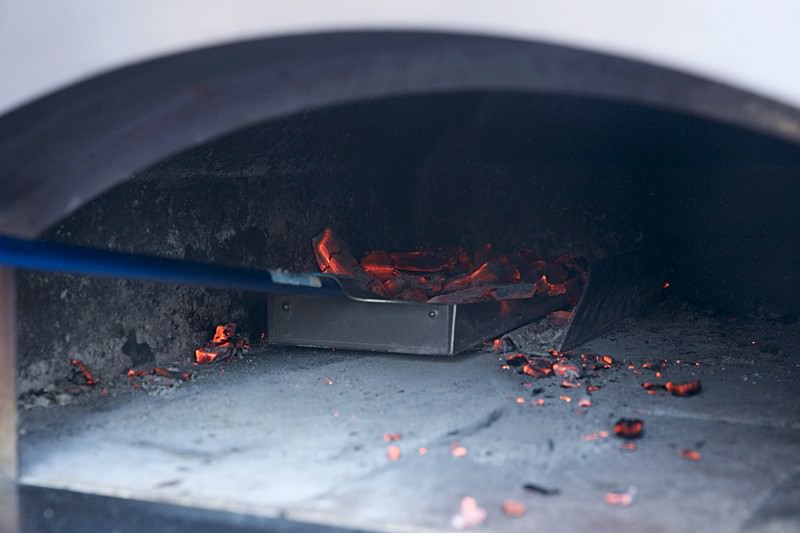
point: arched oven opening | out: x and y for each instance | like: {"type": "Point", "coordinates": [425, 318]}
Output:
{"type": "Point", "coordinates": [438, 182]}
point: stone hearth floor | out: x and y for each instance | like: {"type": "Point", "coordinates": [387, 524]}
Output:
{"type": "Point", "coordinates": [299, 434]}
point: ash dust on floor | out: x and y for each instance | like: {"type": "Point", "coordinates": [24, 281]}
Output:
{"type": "Point", "coordinates": [303, 434]}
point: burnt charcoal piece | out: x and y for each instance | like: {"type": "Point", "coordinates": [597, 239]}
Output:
{"type": "Point", "coordinates": [538, 489]}
{"type": "Point", "coordinates": [690, 388]}
{"type": "Point", "coordinates": [629, 428]}
{"type": "Point", "coordinates": [517, 360]}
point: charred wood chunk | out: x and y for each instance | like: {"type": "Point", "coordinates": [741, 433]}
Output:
{"type": "Point", "coordinates": [334, 257]}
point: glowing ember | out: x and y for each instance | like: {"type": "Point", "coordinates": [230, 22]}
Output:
{"type": "Point", "coordinates": [423, 450]}
{"type": "Point", "coordinates": [87, 374]}
{"type": "Point", "coordinates": [537, 367]}
{"type": "Point", "coordinates": [513, 508]}
{"type": "Point", "coordinates": [629, 428]}
{"type": "Point", "coordinates": [565, 369]}
{"type": "Point", "coordinates": [629, 446]}
{"type": "Point", "coordinates": [519, 400]}
{"type": "Point", "coordinates": [650, 386]}
{"type": "Point", "coordinates": [539, 402]}
{"type": "Point", "coordinates": [623, 497]}
{"type": "Point", "coordinates": [595, 436]}
{"type": "Point", "coordinates": [593, 388]}
{"type": "Point", "coordinates": [690, 388]}
{"type": "Point", "coordinates": [329, 381]}
{"type": "Point", "coordinates": [565, 398]}
{"type": "Point", "coordinates": [333, 257]}
{"type": "Point", "coordinates": [567, 384]}
{"type": "Point", "coordinates": [224, 344]}
{"type": "Point", "coordinates": [469, 515]}
{"type": "Point", "coordinates": [163, 372]}
{"type": "Point", "coordinates": [691, 455]}
{"type": "Point", "coordinates": [584, 402]}
{"type": "Point", "coordinates": [393, 452]}
{"type": "Point", "coordinates": [456, 450]}
{"type": "Point", "coordinates": [390, 437]}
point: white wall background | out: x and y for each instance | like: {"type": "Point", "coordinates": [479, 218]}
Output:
{"type": "Point", "coordinates": [48, 44]}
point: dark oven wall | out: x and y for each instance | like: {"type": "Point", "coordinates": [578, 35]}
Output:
{"type": "Point", "coordinates": [555, 173]}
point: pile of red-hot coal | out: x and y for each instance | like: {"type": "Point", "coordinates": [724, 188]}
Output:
{"type": "Point", "coordinates": [456, 276]}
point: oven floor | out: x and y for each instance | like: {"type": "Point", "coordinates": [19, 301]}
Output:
{"type": "Point", "coordinates": [299, 434]}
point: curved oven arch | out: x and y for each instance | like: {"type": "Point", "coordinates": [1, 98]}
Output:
{"type": "Point", "coordinates": [61, 151]}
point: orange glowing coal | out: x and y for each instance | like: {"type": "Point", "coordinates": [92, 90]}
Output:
{"type": "Point", "coordinates": [458, 451]}
{"type": "Point", "coordinates": [564, 369]}
{"type": "Point", "coordinates": [690, 388]}
{"type": "Point", "coordinates": [513, 508]}
{"type": "Point", "coordinates": [224, 344]}
{"type": "Point", "coordinates": [470, 515]}
{"type": "Point", "coordinates": [393, 452]}
{"type": "Point", "coordinates": [690, 455]}
{"type": "Point", "coordinates": [629, 428]}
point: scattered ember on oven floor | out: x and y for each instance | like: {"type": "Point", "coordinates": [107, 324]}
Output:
{"type": "Point", "coordinates": [225, 344]}
{"type": "Point", "coordinates": [537, 367]}
{"type": "Point", "coordinates": [455, 276]}
{"type": "Point", "coordinates": [690, 388]}
{"type": "Point", "coordinates": [652, 387]}
{"type": "Point", "coordinates": [513, 508]}
{"type": "Point", "coordinates": [621, 497]}
{"type": "Point", "coordinates": [470, 515]}
{"type": "Point", "coordinates": [629, 428]}
{"type": "Point", "coordinates": [390, 437]}
{"type": "Point", "coordinates": [691, 455]}
{"type": "Point", "coordinates": [456, 450]}
{"type": "Point", "coordinates": [629, 446]}
{"type": "Point", "coordinates": [595, 436]}
{"type": "Point", "coordinates": [393, 452]}
{"type": "Point", "coordinates": [87, 374]}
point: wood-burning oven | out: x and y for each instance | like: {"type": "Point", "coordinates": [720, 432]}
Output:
{"type": "Point", "coordinates": [398, 143]}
